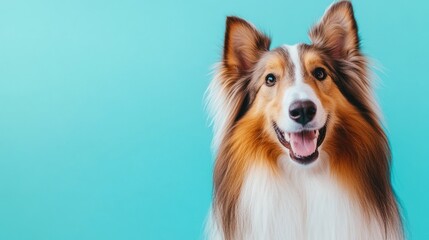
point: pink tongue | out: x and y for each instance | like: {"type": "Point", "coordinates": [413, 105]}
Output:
{"type": "Point", "coordinates": [304, 143]}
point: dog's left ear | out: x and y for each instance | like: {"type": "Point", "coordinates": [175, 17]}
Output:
{"type": "Point", "coordinates": [244, 45]}
{"type": "Point", "coordinates": [337, 31]}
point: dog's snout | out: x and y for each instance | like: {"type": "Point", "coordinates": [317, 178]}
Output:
{"type": "Point", "coordinates": [302, 111]}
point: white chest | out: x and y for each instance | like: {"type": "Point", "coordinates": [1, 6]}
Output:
{"type": "Point", "coordinates": [301, 204]}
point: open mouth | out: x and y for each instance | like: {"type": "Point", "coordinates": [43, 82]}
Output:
{"type": "Point", "coordinates": [303, 146]}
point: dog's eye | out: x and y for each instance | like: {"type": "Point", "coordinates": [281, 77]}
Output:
{"type": "Point", "coordinates": [270, 80]}
{"type": "Point", "coordinates": [319, 73]}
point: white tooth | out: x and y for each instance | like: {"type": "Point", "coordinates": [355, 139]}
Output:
{"type": "Point", "coordinates": [287, 137]}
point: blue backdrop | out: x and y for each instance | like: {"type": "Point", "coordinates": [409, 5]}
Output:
{"type": "Point", "coordinates": [103, 133]}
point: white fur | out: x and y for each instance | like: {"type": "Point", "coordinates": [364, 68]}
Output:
{"type": "Point", "coordinates": [212, 229]}
{"type": "Point", "coordinates": [299, 91]}
{"type": "Point", "coordinates": [218, 107]}
{"type": "Point", "coordinates": [300, 203]}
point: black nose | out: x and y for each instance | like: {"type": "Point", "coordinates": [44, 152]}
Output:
{"type": "Point", "coordinates": [302, 111]}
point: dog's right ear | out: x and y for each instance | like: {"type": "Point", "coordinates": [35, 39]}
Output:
{"type": "Point", "coordinates": [244, 45]}
{"type": "Point", "coordinates": [228, 96]}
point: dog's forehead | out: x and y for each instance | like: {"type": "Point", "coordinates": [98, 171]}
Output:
{"type": "Point", "coordinates": [297, 52]}
{"type": "Point", "coordinates": [292, 56]}
{"type": "Point", "coordinates": [286, 58]}
{"type": "Point", "coordinates": [294, 60]}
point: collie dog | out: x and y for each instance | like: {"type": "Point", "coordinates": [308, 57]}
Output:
{"type": "Point", "coordinates": [300, 150]}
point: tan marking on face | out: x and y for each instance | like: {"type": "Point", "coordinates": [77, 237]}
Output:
{"type": "Point", "coordinates": [273, 62]}
{"type": "Point", "coordinates": [325, 90]}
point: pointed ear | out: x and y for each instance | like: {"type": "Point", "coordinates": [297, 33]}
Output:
{"type": "Point", "coordinates": [244, 45]}
{"type": "Point", "coordinates": [337, 31]}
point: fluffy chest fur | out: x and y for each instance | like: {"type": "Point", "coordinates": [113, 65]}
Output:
{"type": "Point", "coordinates": [300, 204]}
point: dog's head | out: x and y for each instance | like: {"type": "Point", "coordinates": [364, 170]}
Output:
{"type": "Point", "coordinates": [300, 90]}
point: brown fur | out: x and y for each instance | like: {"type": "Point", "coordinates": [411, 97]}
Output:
{"type": "Point", "coordinates": [244, 46]}
{"type": "Point", "coordinates": [363, 165]}
{"type": "Point", "coordinates": [233, 161]}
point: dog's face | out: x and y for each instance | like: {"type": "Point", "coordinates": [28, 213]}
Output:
{"type": "Point", "coordinates": [298, 88]}
{"type": "Point", "coordinates": [296, 96]}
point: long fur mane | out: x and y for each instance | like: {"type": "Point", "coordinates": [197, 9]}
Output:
{"type": "Point", "coordinates": [240, 142]}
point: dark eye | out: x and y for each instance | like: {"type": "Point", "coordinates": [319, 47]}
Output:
{"type": "Point", "coordinates": [319, 73]}
{"type": "Point", "coordinates": [270, 80]}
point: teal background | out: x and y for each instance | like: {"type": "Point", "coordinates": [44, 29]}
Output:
{"type": "Point", "coordinates": [103, 133]}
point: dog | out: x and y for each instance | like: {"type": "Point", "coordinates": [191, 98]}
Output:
{"type": "Point", "coordinates": [300, 149]}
